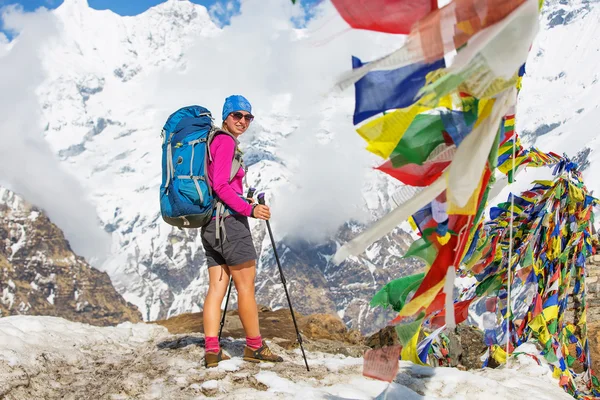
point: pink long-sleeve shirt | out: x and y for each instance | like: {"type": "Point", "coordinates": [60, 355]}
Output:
{"type": "Point", "coordinates": [222, 149]}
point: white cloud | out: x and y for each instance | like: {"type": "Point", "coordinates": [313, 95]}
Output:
{"type": "Point", "coordinates": [263, 56]}
{"type": "Point", "coordinates": [4, 44]}
{"type": "Point", "coordinates": [27, 164]}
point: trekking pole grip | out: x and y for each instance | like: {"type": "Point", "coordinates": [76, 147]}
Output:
{"type": "Point", "coordinates": [250, 193]}
{"type": "Point", "coordinates": [261, 198]}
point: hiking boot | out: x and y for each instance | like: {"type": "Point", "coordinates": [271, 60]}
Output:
{"type": "Point", "coordinates": [213, 359]}
{"type": "Point", "coordinates": [262, 354]}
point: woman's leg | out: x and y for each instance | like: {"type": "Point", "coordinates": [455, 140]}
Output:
{"type": "Point", "coordinates": [218, 280]}
{"type": "Point", "coordinates": [243, 276]}
{"type": "Point", "coordinates": [256, 350]}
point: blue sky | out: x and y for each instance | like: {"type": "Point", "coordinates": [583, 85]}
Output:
{"type": "Point", "coordinates": [122, 7]}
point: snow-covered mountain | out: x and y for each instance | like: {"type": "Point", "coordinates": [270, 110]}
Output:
{"type": "Point", "coordinates": [111, 81]}
{"type": "Point", "coordinates": [559, 104]}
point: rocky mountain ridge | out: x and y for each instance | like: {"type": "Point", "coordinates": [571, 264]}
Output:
{"type": "Point", "coordinates": [40, 274]}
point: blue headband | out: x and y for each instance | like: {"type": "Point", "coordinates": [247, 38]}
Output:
{"type": "Point", "coordinates": [235, 103]}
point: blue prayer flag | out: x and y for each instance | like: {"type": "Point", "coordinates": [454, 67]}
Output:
{"type": "Point", "coordinates": [379, 91]}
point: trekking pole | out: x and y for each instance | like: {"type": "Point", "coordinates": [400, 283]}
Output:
{"type": "Point", "coordinates": [250, 194]}
{"type": "Point", "coordinates": [225, 310]}
{"type": "Point", "coordinates": [261, 200]}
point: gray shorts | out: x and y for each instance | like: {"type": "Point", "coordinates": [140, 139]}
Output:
{"type": "Point", "coordinates": [237, 248]}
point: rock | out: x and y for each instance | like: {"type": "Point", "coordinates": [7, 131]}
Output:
{"type": "Point", "coordinates": [273, 325]}
{"type": "Point", "coordinates": [254, 383]}
{"type": "Point", "coordinates": [323, 326]}
{"type": "Point", "coordinates": [383, 338]}
{"type": "Point", "coordinates": [40, 274]}
{"type": "Point", "coordinates": [353, 336]}
{"type": "Point", "coordinates": [594, 344]}
{"type": "Point", "coordinates": [210, 388]}
{"type": "Point", "coordinates": [327, 326]}
{"type": "Point", "coordinates": [263, 308]}
{"type": "Point", "coordinates": [466, 346]}
{"type": "Point", "coordinates": [320, 332]}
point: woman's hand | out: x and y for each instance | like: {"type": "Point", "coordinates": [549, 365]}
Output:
{"type": "Point", "coordinates": [250, 200]}
{"type": "Point", "coordinates": [261, 211]}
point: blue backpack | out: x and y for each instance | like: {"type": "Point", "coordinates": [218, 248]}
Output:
{"type": "Point", "coordinates": [186, 198]}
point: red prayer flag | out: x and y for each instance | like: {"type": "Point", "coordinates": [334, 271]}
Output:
{"type": "Point", "coordinates": [414, 174]}
{"type": "Point", "coordinates": [491, 303]}
{"type": "Point", "coordinates": [537, 309]}
{"type": "Point", "coordinates": [523, 326]}
{"type": "Point", "coordinates": [461, 313]}
{"type": "Point", "coordinates": [390, 16]}
{"type": "Point", "coordinates": [564, 380]}
{"type": "Point", "coordinates": [382, 363]}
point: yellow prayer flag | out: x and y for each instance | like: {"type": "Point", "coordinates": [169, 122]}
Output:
{"type": "Point", "coordinates": [539, 325]}
{"type": "Point", "coordinates": [544, 182]}
{"type": "Point", "coordinates": [575, 193]}
{"type": "Point", "coordinates": [550, 313]}
{"type": "Point", "coordinates": [583, 319]}
{"type": "Point", "coordinates": [471, 207]}
{"type": "Point", "coordinates": [508, 165]}
{"type": "Point", "coordinates": [384, 133]}
{"type": "Point", "coordinates": [556, 373]}
{"type": "Point", "coordinates": [485, 109]}
{"type": "Point", "coordinates": [498, 354]}
{"type": "Point", "coordinates": [422, 301]}
{"type": "Point", "coordinates": [413, 224]}
{"type": "Point", "coordinates": [409, 352]}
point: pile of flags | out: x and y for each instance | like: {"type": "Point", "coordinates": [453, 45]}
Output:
{"type": "Point", "coordinates": [440, 112]}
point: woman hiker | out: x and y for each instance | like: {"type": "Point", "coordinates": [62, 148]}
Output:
{"type": "Point", "coordinates": [231, 253]}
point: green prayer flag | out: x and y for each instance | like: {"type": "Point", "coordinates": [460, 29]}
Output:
{"type": "Point", "coordinates": [549, 354]}
{"type": "Point", "coordinates": [488, 285]}
{"type": "Point", "coordinates": [422, 249]}
{"type": "Point", "coordinates": [406, 332]}
{"type": "Point", "coordinates": [493, 156]}
{"type": "Point", "coordinates": [528, 259]}
{"type": "Point", "coordinates": [552, 326]}
{"type": "Point", "coordinates": [396, 292]}
{"type": "Point", "coordinates": [423, 135]}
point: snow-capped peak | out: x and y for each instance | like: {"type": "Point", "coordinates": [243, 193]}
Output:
{"type": "Point", "coordinates": [112, 81]}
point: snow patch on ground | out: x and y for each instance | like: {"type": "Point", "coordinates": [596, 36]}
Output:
{"type": "Point", "coordinates": [50, 357]}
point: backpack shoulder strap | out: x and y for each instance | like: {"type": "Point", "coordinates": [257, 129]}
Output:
{"type": "Point", "coordinates": [236, 164]}
{"type": "Point", "coordinates": [237, 161]}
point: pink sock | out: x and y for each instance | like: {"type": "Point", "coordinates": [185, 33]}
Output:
{"type": "Point", "coordinates": [254, 342]}
{"type": "Point", "coordinates": [212, 344]}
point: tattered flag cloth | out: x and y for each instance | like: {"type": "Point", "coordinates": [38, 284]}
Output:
{"type": "Point", "coordinates": [447, 131]}
{"type": "Point", "coordinates": [440, 32]}
{"type": "Point", "coordinates": [547, 251]}
{"type": "Point", "coordinates": [490, 62]}
{"type": "Point", "coordinates": [390, 16]}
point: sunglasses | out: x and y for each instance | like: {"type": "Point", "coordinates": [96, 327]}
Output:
{"type": "Point", "coordinates": [238, 115]}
